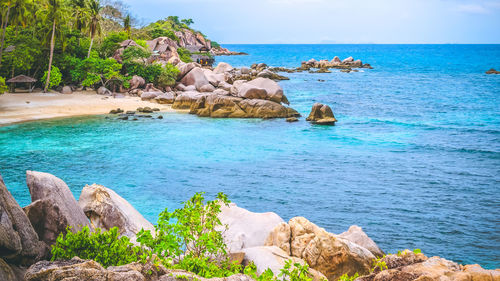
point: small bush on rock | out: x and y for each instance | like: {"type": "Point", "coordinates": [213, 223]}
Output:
{"type": "Point", "coordinates": [3, 87]}
{"type": "Point", "coordinates": [104, 247]}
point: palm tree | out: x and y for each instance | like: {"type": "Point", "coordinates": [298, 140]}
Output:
{"type": "Point", "coordinates": [126, 25]}
{"type": "Point", "coordinates": [79, 13]}
{"type": "Point", "coordinates": [94, 24]}
{"type": "Point", "coordinates": [54, 13]}
{"type": "Point", "coordinates": [5, 22]}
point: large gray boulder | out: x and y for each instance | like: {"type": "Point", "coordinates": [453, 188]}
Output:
{"type": "Point", "coordinates": [19, 243]}
{"type": "Point", "coordinates": [257, 108]}
{"type": "Point", "coordinates": [186, 99]}
{"type": "Point", "coordinates": [356, 235]}
{"type": "Point", "coordinates": [66, 90]}
{"type": "Point", "coordinates": [214, 79]}
{"type": "Point", "coordinates": [246, 229]}
{"type": "Point", "coordinates": [185, 68]}
{"type": "Point", "coordinates": [54, 208]}
{"type": "Point", "coordinates": [222, 67]}
{"type": "Point", "coordinates": [274, 258]}
{"type": "Point", "coordinates": [150, 95]}
{"type": "Point", "coordinates": [6, 272]}
{"type": "Point", "coordinates": [249, 91]}
{"type": "Point", "coordinates": [104, 91]}
{"type": "Point", "coordinates": [137, 82]}
{"type": "Point", "coordinates": [106, 209]}
{"type": "Point", "coordinates": [165, 98]}
{"type": "Point", "coordinates": [273, 89]}
{"type": "Point", "coordinates": [195, 77]}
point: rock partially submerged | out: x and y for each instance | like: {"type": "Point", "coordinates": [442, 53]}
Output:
{"type": "Point", "coordinates": [492, 71]}
{"type": "Point", "coordinates": [321, 114]}
{"type": "Point", "coordinates": [53, 206]}
{"type": "Point", "coordinates": [106, 209]}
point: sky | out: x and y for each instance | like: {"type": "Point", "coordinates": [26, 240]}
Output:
{"type": "Point", "coordinates": [333, 21]}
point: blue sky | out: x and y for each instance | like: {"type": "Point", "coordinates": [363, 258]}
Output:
{"type": "Point", "coordinates": [333, 21]}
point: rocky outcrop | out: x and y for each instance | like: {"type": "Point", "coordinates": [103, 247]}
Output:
{"type": "Point", "coordinates": [246, 229]}
{"type": "Point", "coordinates": [165, 98]}
{"type": "Point", "coordinates": [322, 115]}
{"type": "Point", "coordinates": [356, 235]}
{"type": "Point", "coordinates": [150, 95]}
{"type": "Point", "coordinates": [409, 266]}
{"type": "Point", "coordinates": [222, 106]}
{"type": "Point", "coordinates": [334, 63]}
{"type": "Point", "coordinates": [106, 209]}
{"type": "Point", "coordinates": [78, 269]}
{"type": "Point", "coordinates": [195, 77]}
{"type": "Point", "coordinates": [492, 71]}
{"type": "Point", "coordinates": [19, 243]}
{"type": "Point", "coordinates": [184, 100]}
{"type": "Point", "coordinates": [54, 208]}
{"type": "Point", "coordinates": [274, 258]}
{"type": "Point", "coordinates": [137, 82]}
{"type": "Point", "coordinates": [222, 68]}
{"type": "Point", "coordinates": [325, 252]}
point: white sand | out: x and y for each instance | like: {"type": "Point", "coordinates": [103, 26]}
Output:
{"type": "Point", "coordinates": [23, 107]}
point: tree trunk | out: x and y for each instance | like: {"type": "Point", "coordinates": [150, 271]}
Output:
{"type": "Point", "coordinates": [91, 42]}
{"type": "Point", "coordinates": [51, 56]}
{"type": "Point", "coordinates": [4, 27]}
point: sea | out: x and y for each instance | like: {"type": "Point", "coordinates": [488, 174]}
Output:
{"type": "Point", "coordinates": [414, 158]}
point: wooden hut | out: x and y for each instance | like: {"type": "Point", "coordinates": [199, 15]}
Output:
{"type": "Point", "coordinates": [21, 79]}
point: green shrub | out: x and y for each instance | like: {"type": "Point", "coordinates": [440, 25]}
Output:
{"type": "Point", "coordinates": [149, 72]}
{"type": "Point", "coordinates": [168, 76]}
{"type": "Point", "coordinates": [134, 52]}
{"type": "Point", "coordinates": [184, 55]}
{"type": "Point", "coordinates": [192, 229]}
{"type": "Point", "coordinates": [111, 43]}
{"type": "Point", "coordinates": [142, 43]}
{"type": "Point", "coordinates": [215, 45]}
{"type": "Point", "coordinates": [290, 272]}
{"type": "Point", "coordinates": [161, 32]}
{"type": "Point", "coordinates": [3, 86]}
{"type": "Point", "coordinates": [104, 247]}
{"type": "Point", "coordinates": [55, 77]}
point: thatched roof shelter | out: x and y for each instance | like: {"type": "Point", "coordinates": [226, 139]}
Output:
{"type": "Point", "coordinates": [21, 79]}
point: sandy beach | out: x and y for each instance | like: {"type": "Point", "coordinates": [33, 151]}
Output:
{"type": "Point", "coordinates": [23, 107]}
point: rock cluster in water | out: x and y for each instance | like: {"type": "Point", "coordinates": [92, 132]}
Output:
{"type": "Point", "coordinates": [492, 71]}
{"type": "Point", "coordinates": [262, 238]}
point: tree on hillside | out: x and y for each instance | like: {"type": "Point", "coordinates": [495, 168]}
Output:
{"type": "Point", "coordinates": [126, 25]}
{"type": "Point", "coordinates": [54, 12]}
{"type": "Point", "coordinates": [187, 22]}
{"type": "Point", "coordinates": [5, 21]}
{"type": "Point", "coordinates": [94, 24]}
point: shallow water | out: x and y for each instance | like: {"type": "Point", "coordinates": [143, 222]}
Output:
{"type": "Point", "coordinates": [414, 158]}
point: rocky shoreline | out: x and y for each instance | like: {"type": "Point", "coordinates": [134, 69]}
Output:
{"type": "Point", "coordinates": [265, 239]}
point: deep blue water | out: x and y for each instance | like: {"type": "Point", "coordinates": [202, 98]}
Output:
{"type": "Point", "coordinates": [414, 158]}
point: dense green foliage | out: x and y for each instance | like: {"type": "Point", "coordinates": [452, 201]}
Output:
{"type": "Point", "coordinates": [3, 87]}
{"type": "Point", "coordinates": [215, 45]}
{"type": "Point", "coordinates": [184, 55]}
{"type": "Point", "coordinates": [104, 247]}
{"type": "Point", "coordinates": [75, 34]}
{"type": "Point", "coordinates": [55, 77]}
{"type": "Point", "coordinates": [168, 76]}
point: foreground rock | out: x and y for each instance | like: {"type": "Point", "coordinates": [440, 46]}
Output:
{"type": "Point", "coordinates": [106, 209]}
{"type": "Point", "coordinates": [54, 208]}
{"type": "Point", "coordinates": [78, 269]}
{"type": "Point", "coordinates": [410, 266]}
{"type": "Point", "coordinates": [356, 235]}
{"type": "Point", "coordinates": [325, 252]}
{"type": "Point", "coordinates": [274, 258]}
{"type": "Point", "coordinates": [246, 229]}
{"type": "Point", "coordinates": [322, 115]}
{"type": "Point", "coordinates": [19, 243]}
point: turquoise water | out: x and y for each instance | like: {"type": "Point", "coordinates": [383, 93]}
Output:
{"type": "Point", "coordinates": [414, 158]}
